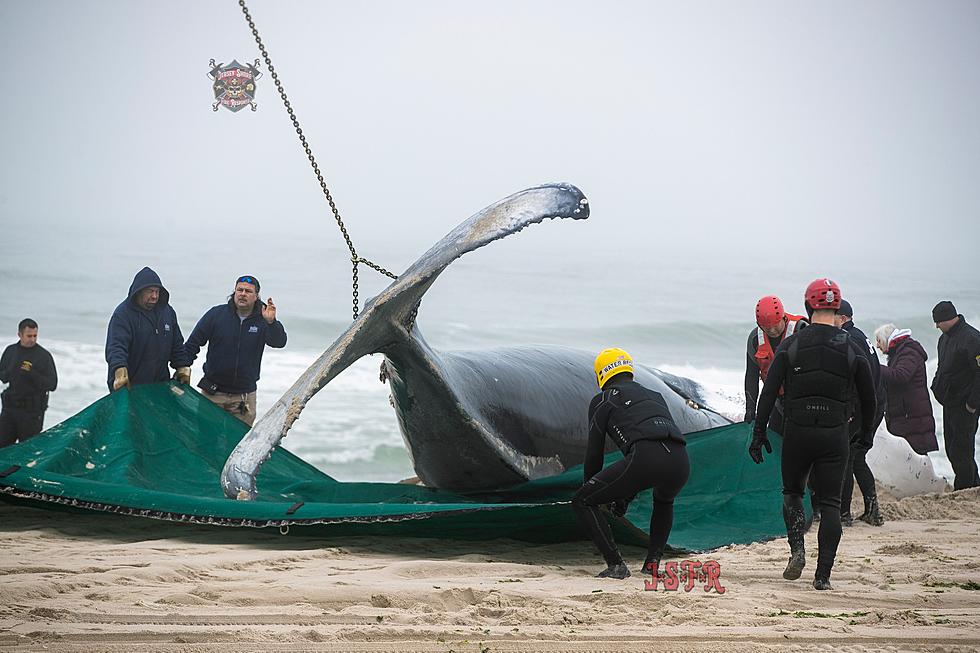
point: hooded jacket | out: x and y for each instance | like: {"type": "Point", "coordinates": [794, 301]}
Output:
{"type": "Point", "coordinates": [908, 412]}
{"type": "Point", "coordinates": [144, 341]}
{"type": "Point", "coordinates": [235, 347]}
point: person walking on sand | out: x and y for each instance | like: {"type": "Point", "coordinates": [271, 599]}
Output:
{"type": "Point", "coordinates": [820, 369]}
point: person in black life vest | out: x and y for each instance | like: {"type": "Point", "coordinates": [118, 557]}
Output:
{"type": "Point", "coordinates": [957, 387]}
{"type": "Point", "coordinates": [639, 422]}
{"type": "Point", "coordinates": [857, 466]}
{"type": "Point", "coordinates": [820, 369]}
{"type": "Point", "coordinates": [30, 371]}
{"type": "Point", "coordinates": [773, 324]}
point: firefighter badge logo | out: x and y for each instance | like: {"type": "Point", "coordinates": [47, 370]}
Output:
{"type": "Point", "coordinates": [234, 85]}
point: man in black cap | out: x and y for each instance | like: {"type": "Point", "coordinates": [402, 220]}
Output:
{"type": "Point", "coordinates": [861, 443]}
{"type": "Point", "coordinates": [237, 333]}
{"type": "Point", "coordinates": [957, 387]}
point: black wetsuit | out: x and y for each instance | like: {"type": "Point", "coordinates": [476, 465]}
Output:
{"type": "Point", "coordinates": [857, 466]}
{"type": "Point", "coordinates": [639, 422]}
{"type": "Point", "coordinates": [753, 374]}
{"type": "Point", "coordinates": [31, 374]}
{"type": "Point", "coordinates": [820, 369]}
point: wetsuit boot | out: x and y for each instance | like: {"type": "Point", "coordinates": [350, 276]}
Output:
{"type": "Point", "coordinates": [872, 514]}
{"type": "Point", "coordinates": [795, 520]}
{"type": "Point", "coordinates": [846, 519]}
{"type": "Point", "coordinates": [822, 584]}
{"type": "Point", "coordinates": [649, 565]}
{"type": "Point", "coordinates": [615, 571]}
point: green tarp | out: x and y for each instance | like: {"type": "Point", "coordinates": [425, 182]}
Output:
{"type": "Point", "coordinates": [157, 451]}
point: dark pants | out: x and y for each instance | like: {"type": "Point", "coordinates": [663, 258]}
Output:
{"type": "Point", "coordinates": [857, 468]}
{"type": "Point", "coordinates": [960, 433]}
{"type": "Point", "coordinates": [821, 456]}
{"type": "Point", "coordinates": [18, 425]}
{"type": "Point", "coordinates": [659, 464]}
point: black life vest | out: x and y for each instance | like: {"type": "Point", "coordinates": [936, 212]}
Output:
{"type": "Point", "coordinates": [639, 414]}
{"type": "Point", "coordinates": [820, 380]}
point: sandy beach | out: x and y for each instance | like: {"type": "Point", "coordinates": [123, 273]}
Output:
{"type": "Point", "coordinates": [94, 582]}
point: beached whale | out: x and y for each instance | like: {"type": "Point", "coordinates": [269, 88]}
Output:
{"type": "Point", "coordinates": [471, 420]}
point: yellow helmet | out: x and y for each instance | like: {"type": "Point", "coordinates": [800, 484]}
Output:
{"type": "Point", "coordinates": [611, 362]}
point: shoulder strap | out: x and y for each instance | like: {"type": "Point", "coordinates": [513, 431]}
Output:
{"type": "Point", "coordinates": [791, 352]}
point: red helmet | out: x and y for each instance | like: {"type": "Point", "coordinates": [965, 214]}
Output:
{"type": "Point", "coordinates": [769, 312]}
{"type": "Point", "coordinates": [822, 294]}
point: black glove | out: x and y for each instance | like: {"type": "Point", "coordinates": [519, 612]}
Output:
{"type": "Point", "coordinates": [620, 506]}
{"type": "Point", "coordinates": [759, 440]}
{"type": "Point", "coordinates": [858, 442]}
{"type": "Point", "coordinates": [749, 416]}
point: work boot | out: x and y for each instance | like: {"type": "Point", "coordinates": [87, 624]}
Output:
{"type": "Point", "coordinates": [797, 561]}
{"type": "Point", "coordinates": [820, 583]}
{"type": "Point", "coordinates": [846, 519]}
{"type": "Point", "coordinates": [872, 515]}
{"type": "Point", "coordinates": [615, 571]}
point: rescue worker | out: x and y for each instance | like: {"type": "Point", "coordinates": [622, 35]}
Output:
{"type": "Point", "coordinates": [820, 369]}
{"type": "Point", "coordinates": [861, 443]}
{"type": "Point", "coordinates": [773, 324]}
{"type": "Point", "coordinates": [655, 456]}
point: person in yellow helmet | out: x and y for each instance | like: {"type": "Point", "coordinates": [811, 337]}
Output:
{"type": "Point", "coordinates": [655, 456]}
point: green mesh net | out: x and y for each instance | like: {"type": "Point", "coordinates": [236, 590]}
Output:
{"type": "Point", "coordinates": [157, 451]}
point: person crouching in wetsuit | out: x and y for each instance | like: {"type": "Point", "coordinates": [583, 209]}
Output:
{"type": "Point", "coordinates": [639, 422]}
{"type": "Point", "coordinates": [819, 368]}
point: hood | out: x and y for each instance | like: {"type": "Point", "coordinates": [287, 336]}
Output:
{"type": "Point", "coordinates": [903, 338]}
{"type": "Point", "coordinates": [144, 279]}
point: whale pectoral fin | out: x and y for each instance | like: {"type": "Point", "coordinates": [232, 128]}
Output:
{"type": "Point", "coordinates": [390, 316]}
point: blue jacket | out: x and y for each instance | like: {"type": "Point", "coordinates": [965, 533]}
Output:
{"type": "Point", "coordinates": [235, 346]}
{"type": "Point", "coordinates": [145, 341]}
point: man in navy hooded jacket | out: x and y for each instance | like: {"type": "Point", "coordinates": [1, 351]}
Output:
{"type": "Point", "coordinates": [237, 333]}
{"type": "Point", "coordinates": [144, 336]}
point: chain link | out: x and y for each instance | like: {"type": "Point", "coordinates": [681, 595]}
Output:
{"type": "Point", "coordinates": [355, 259]}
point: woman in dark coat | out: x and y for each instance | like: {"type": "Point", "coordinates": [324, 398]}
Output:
{"type": "Point", "coordinates": [908, 410]}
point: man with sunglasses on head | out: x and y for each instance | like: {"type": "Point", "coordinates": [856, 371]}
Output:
{"type": "Point", "coordinates": [236, 333]}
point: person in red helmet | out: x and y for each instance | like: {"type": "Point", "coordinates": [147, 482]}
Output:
{"type": "Point", "coordinates": [774, 324]}
{"type": "Point", "coordinates": [820, 369]}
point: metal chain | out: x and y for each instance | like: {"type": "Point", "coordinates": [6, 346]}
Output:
{"type": "Point", "coordinates": [355, 259]}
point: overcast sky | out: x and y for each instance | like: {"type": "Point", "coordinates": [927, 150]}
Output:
{"type": "Point", "coordinates": [722, 126]}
